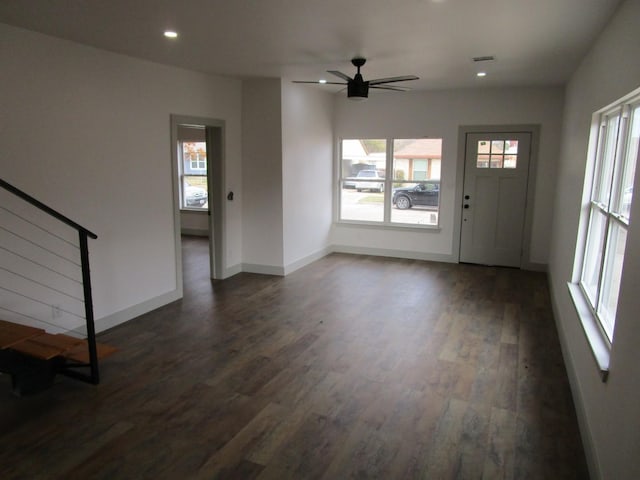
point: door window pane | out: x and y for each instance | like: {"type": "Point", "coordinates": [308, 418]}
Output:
{"type": "Point", "coordinates": [510, 161]}
{"type": "Point", "coordinates": [484, 148]}
{"type": "Point", "coordinates": [497, 154]}
{"type": "Point", "coordinates": [497, 146]}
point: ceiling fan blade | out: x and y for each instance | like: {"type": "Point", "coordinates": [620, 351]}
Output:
{"type": "Point", "coordinates": [317, 82]}
{"type": "Point", "coordinates": [384, 87]}
{"type": "Point", "coordinates": [340, 74]}
{"type": "Point", "coordinates": [404, 78]}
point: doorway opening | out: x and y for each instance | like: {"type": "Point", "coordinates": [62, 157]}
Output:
{"type": "Point", "coordinates": [197, 146]}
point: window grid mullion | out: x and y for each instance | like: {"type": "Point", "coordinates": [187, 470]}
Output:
{"type": "Point", "coordinates": [388, 175]}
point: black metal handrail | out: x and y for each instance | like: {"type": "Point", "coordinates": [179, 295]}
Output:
{"type": "Point", "coordinates": [83, 235]}
{"type": "Point", "coordinates": [45, 208]}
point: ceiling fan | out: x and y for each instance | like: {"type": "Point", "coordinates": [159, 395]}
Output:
{"type": "Point", "coordinates": [357, 87]}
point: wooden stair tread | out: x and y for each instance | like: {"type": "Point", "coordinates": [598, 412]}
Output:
{"type": "Point", "coordinates": [13, 333]}
{"type": "Point", "coordinates": [46, 346]}
{"type": "Point", "coordinates": [37, 343]}
{"type": "Point", "coordinates": [80, 353]}
{"type": "Point", "coordinates": [37, 349]}
{"type": "Point", "coordinates": [59, 340]}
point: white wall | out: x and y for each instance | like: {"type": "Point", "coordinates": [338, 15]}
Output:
{"type": "Point", "coordinates": [194, 223]}
{"type": "Point", "coordinates": [88, 131]}
{"type": "Point", "coordinates": [609, 412]}
{"type": "Point", "coordinates": [307, 166]}
{"type": "Point", "coordinates": [439, 114]}
{"type": "Point", "coordinates": [262, 224]}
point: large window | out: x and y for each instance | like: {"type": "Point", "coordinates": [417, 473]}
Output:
{"type": "Point", "coordinates": [610, 190]}
{"type": "Point", "coordinates": [390, 181]}
{"type": "Point", "coordinates": [192, 158]}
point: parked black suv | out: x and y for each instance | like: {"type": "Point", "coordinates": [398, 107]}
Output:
{"type": "Point", "coordinates": [425, 193]}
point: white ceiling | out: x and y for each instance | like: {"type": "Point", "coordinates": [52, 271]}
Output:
{"type": "Point", "coordinates": [535, 42]}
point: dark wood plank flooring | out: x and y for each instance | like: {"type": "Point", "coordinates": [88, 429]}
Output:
{"type": "Point", "coordinates": [352, 367]}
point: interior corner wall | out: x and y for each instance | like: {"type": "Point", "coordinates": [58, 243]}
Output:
{"type": "Point", "coordinates": [439, 114]}
{"type": "Point", "coordinates": [88, 132]}
{"type": "Point", "coordinates": [307, 164]}
{"type": "Point", "coordinates": [609, 413]}
{"type": "Point", "coordinates": [262, 217]}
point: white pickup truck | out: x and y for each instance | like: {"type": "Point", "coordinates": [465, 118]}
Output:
{"type": "Point", "coordinates": [374, 182]}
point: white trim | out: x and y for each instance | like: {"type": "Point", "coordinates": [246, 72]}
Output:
{"type": "Point", "coordinates": [534, 131]}
{"type": "Point", "coordinates": [263, 269]}
{"type": "Point", "coordinates": [232, 270]}
{"type": "Point", "coordinates": [387, 252]}
{"type": "Point", "coordinates": [217, 205]}
{"type": "Point", "coordinates": [535, 267]}
{"type": "Point", "coordinates": [303, 262]}
{"type": "Point", "coordinates": [195, 232]}
{"type": "Point", "coordinates": [595, 336]}
{"type": "Point", "coordinates": [588, 443]}
{"type": "Point", "coordinates": [115, 319]}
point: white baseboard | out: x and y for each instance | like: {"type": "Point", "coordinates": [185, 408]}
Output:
{"type": "Point", "coordinates": [194, 232]}
{"type": "Point", "coordinates": [263, 269]}
{"type": "Point", "coordinates": [110, 321]}
{"type": "Point", "coordinates": [386, 252]}
{"type": "Point", "coordinates": [535, 267]}
{"type": "Point", "coordinates": [232, 270]}
{"type": "Point", "coordinates": [576, 391]}
{"type": "Point", "coordinates": [380, 252]}
{"type": "Point", "coordinates": [303, 262]}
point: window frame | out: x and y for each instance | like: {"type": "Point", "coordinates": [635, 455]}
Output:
{"type": "Point", "coordinates": [386, 222]}
{"type": "Point", "coordinates": [196, 172]}
{"type": "Point", "coordinates": [606, 171]}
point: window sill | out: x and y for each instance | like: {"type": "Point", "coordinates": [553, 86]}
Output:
{"type": "Point", "coordinates": [595, 337]}
{"type": "Point", "coordinates": [387, 226]}
{"type": "Point", "coordinates": [193, 210]}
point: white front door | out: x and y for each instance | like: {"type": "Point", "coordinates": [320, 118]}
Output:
{"type": "Point", "coordinates": [494, 199]}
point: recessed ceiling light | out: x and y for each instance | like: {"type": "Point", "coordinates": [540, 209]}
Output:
{"type": "Point", "coordinates": [481, 74]}
{"type": "Point", "coordinates": [322, 81]}
{"type": "Point", "coordinates": [170, 34]}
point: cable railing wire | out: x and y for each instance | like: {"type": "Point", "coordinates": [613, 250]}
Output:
{"type": "Point", "coordinates": [42, 284]}
{"type": "Point", "coordinates": [39, 320]}
{"type": "Point", "coordinates": [79, 282]}
{"type": "Point", "coordinates": [62, 257]}
{"type": "Point", "coordinates": [26, 220]}
{"type": "Point", "coordinates": [83, 265]}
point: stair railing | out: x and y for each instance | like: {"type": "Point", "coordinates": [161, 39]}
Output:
{"type": "Point", "coordinates": [83, 236]}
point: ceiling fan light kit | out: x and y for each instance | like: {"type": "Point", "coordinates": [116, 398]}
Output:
{"type": "Point", "coordinates": [357, 87]}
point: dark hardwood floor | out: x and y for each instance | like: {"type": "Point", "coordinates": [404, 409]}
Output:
{"type": "Point", "coordinates": [352, 367]}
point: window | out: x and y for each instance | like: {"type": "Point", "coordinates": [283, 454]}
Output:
{"type": "Point", "coordinates": [497, 154]}
{"type": "Point", "coordinates": [610, 192]}
{"type": "Point", "coordinates": [196, 160]}
{"type": "Point", "coordinates": [408, 195]}
{"type": "Point", "coordinates": [192, 158]}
